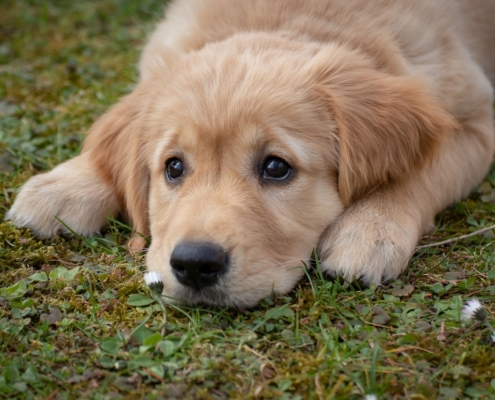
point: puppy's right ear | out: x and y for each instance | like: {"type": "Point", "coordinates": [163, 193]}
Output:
{"type": "Point", "coordinates": [114, 143]}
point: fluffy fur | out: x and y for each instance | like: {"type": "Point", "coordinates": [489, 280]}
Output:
{"type": "Point", "coordinates": [383, 109]}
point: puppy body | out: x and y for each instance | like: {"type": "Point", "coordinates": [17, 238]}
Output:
{"type": "Point", "coordinates": [383, 110]}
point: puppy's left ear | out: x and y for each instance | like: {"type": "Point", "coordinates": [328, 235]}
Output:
{"type": "Point", "coordinates": [115, 145]}
{"type": "Point", "coordinates": [387, 125]}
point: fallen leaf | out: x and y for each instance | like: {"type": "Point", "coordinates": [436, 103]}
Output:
{"type": "Point", "coordinates": [454, 275]}
{"type": "Point", "coordinates": [109, 306]}
{"type": "Point", "coordinates": [78, 258]}
{"type": "Point", "coordinates": [381, 317]}
{"type": "Point", "coordinates": [423, 326]}
{"type": "Point", "coordinates": [485, 188]}
{"type": "Point", "coordinates": [46, 268]}
{"type": "Point", "coordinates": [267, 372]}
{"type": "Point", "coordinates": [53, 317]}
{"type": "Point", "coordinates": [402, 292]}
{"type": "Point", "coordinates": [360, 308]}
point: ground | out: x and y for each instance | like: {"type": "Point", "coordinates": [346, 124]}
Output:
{"type": "Point", "coordinates": [77, 320]}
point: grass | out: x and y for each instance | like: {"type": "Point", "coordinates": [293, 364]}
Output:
{"type": "Point", "coordinates": [76, 319]}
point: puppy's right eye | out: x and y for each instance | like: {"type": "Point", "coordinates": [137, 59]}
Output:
{"type": "Point", "coordinates": [174, 169]}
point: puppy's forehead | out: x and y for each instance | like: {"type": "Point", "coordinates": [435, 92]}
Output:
{"type": "Point", "coordinates": [220, 92]}
{"type": "Point", "coordinates": [233, 106]}
{"type": "Point", "coordinates": [204, 140]}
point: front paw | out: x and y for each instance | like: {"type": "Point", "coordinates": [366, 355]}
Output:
{"type": "Point", "coordinates": [368, 245]}
{"type": "Point", "coordinates": [71, 193]}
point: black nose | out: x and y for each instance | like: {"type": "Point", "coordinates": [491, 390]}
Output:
{"type": "Point", "coordinates": [198, 264]}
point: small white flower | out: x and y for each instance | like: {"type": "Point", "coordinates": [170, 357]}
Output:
{"type": "Point", "coordinates": [473, 309]}
{"type": "Point", "coordinates": [152, 277]}
{"type": "Point", "coordinates": [154, 281]}
{"type": "Point", "coordinates": [371, 397]}
{"type": "Point", "coordinates": [493, 337]}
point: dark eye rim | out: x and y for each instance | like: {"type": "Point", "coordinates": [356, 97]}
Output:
{"type": "Point", "coordinates": [167, 173]}
{"type": "Point", "coordinates": [268, 179]}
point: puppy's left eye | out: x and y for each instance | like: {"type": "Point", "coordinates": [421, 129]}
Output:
{"type": "Point", "coordinates": [274, 168]}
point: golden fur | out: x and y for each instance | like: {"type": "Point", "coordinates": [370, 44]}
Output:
{"type": "Point", "coordinates": [383, 109]}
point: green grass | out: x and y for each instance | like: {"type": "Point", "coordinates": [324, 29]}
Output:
{"type": "Point", "coordinates": [76, 319]}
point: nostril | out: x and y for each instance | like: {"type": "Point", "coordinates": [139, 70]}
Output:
{"type": "Point", "coordinates": [209, 269]}
{"type": "Point", "coordinates": [178, 267]}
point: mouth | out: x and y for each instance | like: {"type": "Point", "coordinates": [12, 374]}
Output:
{"type": "Point", "coordinates": [212, 296]}
{"type": "Point", "coordinates": [224, 293]}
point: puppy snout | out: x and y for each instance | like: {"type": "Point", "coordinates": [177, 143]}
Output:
{"type": "Point", "coordinates": [198, 264]}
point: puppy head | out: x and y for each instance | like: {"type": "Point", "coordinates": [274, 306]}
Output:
{"type": "Point", "coordinates": [240, 189]}
{"type": "Point", "coordinates": [250, 154]}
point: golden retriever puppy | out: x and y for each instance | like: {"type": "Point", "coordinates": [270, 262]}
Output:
{"type": "Point", "coordinates": [261, 130]}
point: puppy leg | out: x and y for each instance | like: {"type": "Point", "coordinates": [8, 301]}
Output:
{"type": "Point", "coordinates": [374, 238]}
{"type": "Point", "coordinates": [73, 192]}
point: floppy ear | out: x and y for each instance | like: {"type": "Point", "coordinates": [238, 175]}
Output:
{"type": "Point", "coordinates": [387, 125]}
{"type": "Point", "coordinates": [114, 143]}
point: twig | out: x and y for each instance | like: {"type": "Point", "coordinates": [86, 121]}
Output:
{"type": "Point", "coordinates": [151, 373]}
{"type": "Point", "coordinates": [319, 392]}
{"type": "Point", "coordinates": [6, 194]}
{"type": "Point", "coordinates": [403, 348]}
{"type": "Point", "coordinates": [453, 240]}
{"type": "Point", "coordinates": [247, 348]}
{"type": "Point", "coordinates": [336, 387]}
{"type": "Point", "coordinates": [52, 395]}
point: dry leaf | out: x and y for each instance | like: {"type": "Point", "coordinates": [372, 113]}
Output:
{"type": "Point", "coordinates": [455, 275]}
{"type": "Point", "coordinates": [53, 317]}
{"type": "Point", "coordinates": [402, 292]}
{"type": "Point", "coordinates": [381, 317]}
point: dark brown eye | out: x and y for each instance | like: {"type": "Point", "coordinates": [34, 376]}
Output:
{"type": "Point", "coordinates": [174, 169]}
{"type": "Point", "coordinates": [276, 169]}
